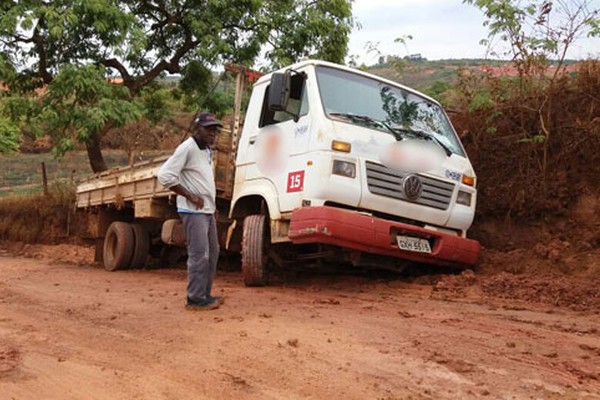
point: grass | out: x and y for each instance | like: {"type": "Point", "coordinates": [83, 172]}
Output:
{"type": "Point", "coordinates": [33, 218]}
{"type": "Point", "coordinates": [22, 173]}
{"type": "Point", "coordinates": [29, 216]}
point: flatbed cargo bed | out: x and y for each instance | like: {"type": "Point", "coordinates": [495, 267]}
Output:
{"type": "Point", "coordinates": [138, 182]}
{"type": "Point", "coordinates": [122, 184]}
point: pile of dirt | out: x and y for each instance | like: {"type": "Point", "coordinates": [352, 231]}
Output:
{"type": "Point", "coordinates": [553, 261]}
{"type": "Point", "coordinates": [60, 253]}
{"type": "Point", "coordinates": [544, 275]}
{"type": "Point", "coordinates": [557, 290]}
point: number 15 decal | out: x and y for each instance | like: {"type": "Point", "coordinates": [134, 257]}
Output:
{"type": "Point", "coordinates": [295, 181]}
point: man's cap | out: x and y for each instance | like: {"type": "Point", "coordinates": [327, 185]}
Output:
{"type": "Point", "coordinates": [206, 119]}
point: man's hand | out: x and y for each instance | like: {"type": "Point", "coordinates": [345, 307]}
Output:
{"type": "Point", "coordinates": [196, 200]}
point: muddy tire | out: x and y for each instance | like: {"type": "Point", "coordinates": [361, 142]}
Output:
{"type": "Point", "coordinates": [141, 246]}
{"type": "Point", "coordinates": [255, 242]}
{"type": "Point", "coordinates": [119, 243]}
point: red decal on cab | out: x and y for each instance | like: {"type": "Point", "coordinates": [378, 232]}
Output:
{"type": "Point", "coordinates": [295, 181]}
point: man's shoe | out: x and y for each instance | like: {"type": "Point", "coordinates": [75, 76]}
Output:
{"type": "Point", "coordinates": [208, 304]}
{"type": "Point", "coordinates": [218, 299]}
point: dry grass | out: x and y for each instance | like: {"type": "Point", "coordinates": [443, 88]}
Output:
{"type": "Point", "coordinates": [26, 214]}
{"type": "Point", "coordinates": [35, 218]}
{"type": "Point", "coordinates": [22, 173]}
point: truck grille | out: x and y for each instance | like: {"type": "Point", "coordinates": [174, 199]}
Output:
{"type": "Point", "coordinates": [387, 182]}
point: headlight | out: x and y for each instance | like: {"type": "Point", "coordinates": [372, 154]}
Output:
{"type": "Point", "coordinates": [344, 168]}
{"type": "Point", "coordinates": [464, 198]}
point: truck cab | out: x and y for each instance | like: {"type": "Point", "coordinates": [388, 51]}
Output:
{"type": "Point", "coordinates": [337, 163]}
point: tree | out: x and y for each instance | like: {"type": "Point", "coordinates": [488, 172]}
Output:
{"type": "Point", "coordinates": [400, 65]}
{"type": "Point", "coordinates": [81, 105]}
{"type": "Point", "coordinates": [538, 32]}
{"type": "Point", "coordinates": [139, 40]}
{"type": "Point", "coordinates": [307, 28]}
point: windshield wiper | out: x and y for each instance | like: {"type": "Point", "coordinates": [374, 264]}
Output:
{"type": "Point", "coordinates": [424, 135]}
{"type": "Point", "coordinates": [370, 121]}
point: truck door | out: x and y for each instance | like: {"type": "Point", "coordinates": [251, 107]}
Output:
{"type": "Point", "coordinates": [282, 145]}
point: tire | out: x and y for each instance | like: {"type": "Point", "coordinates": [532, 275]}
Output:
{"type": "Point", "coordinates": [141, 247]}
{"type": "Point", "coordinates": [255, 243]}
{"type": "Point", "coordinates": [118, 246]}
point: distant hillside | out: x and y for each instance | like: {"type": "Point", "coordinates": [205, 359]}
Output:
{"type": "Point", "coordinates": [423, 74]}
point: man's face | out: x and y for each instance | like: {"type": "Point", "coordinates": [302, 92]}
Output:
{"type": "Point", "coordinates": [207, 134]}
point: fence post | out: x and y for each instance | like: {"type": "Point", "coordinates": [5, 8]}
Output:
{"type": "Point", "coordinates": [44, 178]}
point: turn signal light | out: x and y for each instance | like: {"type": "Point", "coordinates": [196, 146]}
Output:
{"type": "Point", "coordinates": [468, 180]}
{"type": "Point", "coordinates": [344, 147]}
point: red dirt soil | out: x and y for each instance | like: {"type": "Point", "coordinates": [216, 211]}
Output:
{"type": "Point", "coordinates": [70, 330]}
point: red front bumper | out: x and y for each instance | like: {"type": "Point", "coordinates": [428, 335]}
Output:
{"type": "Point", "coordinates": [368, 234]}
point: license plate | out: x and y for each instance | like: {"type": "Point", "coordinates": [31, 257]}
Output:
{"type": "Point", "coordinates": [413, 244]}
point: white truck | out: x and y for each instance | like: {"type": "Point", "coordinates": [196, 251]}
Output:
{"type": "Point", "coordinates": [332, 164]}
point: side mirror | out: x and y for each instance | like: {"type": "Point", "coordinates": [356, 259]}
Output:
{"type": "Point", "coordinates": [279, 91]}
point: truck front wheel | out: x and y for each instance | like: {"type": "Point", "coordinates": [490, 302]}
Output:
{"type": "Point", "coordinates": [118, 246]}
{"type": "Point", "coordinates": [255, 243]}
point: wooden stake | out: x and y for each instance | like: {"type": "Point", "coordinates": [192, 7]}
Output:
{"type": "Point", "coordinates": [44, 179]}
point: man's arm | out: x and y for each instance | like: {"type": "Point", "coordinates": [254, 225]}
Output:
{"type": "Point", "coordinates": [168, 175]}
{"type": "Point", "coordinates": [196, 200]}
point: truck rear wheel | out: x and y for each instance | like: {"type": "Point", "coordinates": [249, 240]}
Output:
{"type": "Point", "coordinates": [255, 242]}
{"type": "Point", "coordinates": [118, 246]}
{"type": "Point", "coordinates": [141, 246]}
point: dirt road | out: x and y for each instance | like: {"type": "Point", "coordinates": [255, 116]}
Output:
{"type": "Point", "coordinates": [72, 331]}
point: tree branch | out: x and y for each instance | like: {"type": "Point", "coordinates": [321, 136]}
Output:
{"type": "Point", "coordinates": [38, 42]}
{"type": "Point", "coordinates": [116, 64]}
{"type": "Point", "coordinates": [172, 66]}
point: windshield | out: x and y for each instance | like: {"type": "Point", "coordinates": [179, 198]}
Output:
{"type": "Point", "coordinates": [369, 102]}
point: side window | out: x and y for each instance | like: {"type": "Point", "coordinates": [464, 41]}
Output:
{"type": "Point", "coordinates": [298, 101]}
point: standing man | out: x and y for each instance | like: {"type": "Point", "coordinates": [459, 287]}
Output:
{"type": "Point", "coordinates": [189, 173]}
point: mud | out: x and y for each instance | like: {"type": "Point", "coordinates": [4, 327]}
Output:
{"type": "Point", "coordinates": [70, 330]}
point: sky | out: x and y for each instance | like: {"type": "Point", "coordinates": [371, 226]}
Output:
{"type": "Point", "coordinates": [440, 29]}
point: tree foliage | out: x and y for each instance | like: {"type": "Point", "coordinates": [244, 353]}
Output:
{"type": "Point", "coordinates": [307, 28]}
{"type": "Point", "coordinates": [80, 105]}
{"type": "Point", "coordinates": [140, 40]}
{"type": "Point", "coordinates": [538, 31]}
{"type": "Point", "coordinates": [9, 135]}
{"type": "Point", "coordinates": [544, 119]}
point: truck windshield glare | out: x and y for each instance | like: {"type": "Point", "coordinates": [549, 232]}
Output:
{"type": "Point", "coordinates": [368, 102]}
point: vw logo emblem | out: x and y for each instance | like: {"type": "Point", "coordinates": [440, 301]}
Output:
{"type": "Point", "coordinates": [412, 187]}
